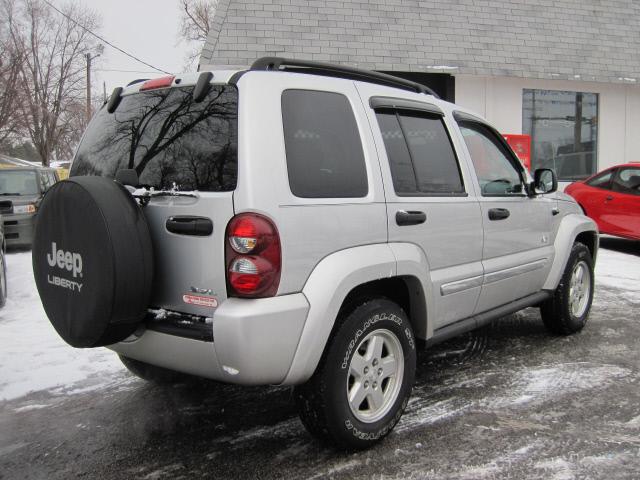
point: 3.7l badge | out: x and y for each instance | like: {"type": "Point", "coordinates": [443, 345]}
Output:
{"type": "Point", "coordinates": [200, 300]}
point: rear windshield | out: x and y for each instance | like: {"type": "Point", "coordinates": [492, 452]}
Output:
{"type": "Point", "coordinates": [18, 183]}
{"type": "Point", "coordinates": [171, 141]}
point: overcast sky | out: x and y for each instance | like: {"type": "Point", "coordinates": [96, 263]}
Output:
{"type": "Point", "coordinates": [144, 28]}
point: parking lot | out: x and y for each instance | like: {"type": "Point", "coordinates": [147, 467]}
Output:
{"type": "Point", "coordinates": [507, 401]}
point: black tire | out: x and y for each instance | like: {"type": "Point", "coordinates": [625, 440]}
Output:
{"type": "Point", "coordinates": [152, 373]}
{"type": "Point", "coordinates": [92, 261]}
{"type": "Point", "coordinates": [3, 278]}
{"type": "Point", "coordinates": [557, 313]}
{"type": "Point", "coordinates": [323, 404]}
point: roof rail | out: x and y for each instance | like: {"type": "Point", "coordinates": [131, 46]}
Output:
{"type": "Point", "coordinates": [340, 71]}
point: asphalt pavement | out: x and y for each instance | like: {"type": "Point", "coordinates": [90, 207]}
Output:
{"type": "Point", "coordinates": [507, 401]}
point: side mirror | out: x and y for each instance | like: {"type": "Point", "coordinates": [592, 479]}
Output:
{"type": "Point", "coordinates": [544, 181]}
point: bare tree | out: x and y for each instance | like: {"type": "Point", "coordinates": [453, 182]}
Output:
{"type": "Point", "coordinates": [52, 73]}
{"type": "Point", "coordinates": [10, 66]}
{"type": "Point", "coordinates": [71, 129]}
{"type": "Point", "coordinates": [196, 18]}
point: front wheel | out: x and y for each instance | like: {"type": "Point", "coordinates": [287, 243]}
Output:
{"type": "Point", "coordinates": [567, 311]}
{"type": "Point", "coordinates": [364, 379]}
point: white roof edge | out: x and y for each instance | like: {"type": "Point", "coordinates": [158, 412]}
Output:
{"type": "Point", "coordinates": [213, 67]}
{"type": "Point", "coordinates": [220, 75]}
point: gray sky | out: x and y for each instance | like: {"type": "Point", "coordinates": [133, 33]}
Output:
{"type": "Point", "coordinates": [145, 28]}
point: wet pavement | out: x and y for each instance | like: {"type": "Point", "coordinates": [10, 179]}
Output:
{"type": "Point", "coordinates": [507, 401]}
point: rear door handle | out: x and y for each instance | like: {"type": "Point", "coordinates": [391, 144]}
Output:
{"type": "Point", "coordinates": [498, 214]}
{"type": "Point", "coordinates": [404, 218]}
{"type": "Point", "coordinates": [609, 197]}
{"type": "Point", "coordinates": [189, 225]}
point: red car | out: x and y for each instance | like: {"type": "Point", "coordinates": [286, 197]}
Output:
{"type": "Point", "coordinates": [612, 199]}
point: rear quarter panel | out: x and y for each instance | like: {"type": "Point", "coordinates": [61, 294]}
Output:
{"type": "Point", "coordinates": [309, 228]}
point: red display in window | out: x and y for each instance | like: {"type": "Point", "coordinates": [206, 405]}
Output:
{"type": "Point", "coordinates": [521, 145]}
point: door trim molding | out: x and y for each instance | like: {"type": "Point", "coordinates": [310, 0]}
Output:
{"type": "Point", "coordinates": [460, 285]}
{"type": "Point", "coordinates": [514, 271]}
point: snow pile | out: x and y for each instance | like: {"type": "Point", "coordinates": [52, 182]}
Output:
{"type": "Point", "coordinates": [32, 355]}
{"type": "Point", "coordinates": [619, 270]}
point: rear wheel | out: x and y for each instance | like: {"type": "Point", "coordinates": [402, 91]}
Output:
{"type": "Point", "coordinates": [567, 311]}
{"type": "Point", "coordinates": [152, 373]}
{"type": "Point", "coordinates": [364, 379]}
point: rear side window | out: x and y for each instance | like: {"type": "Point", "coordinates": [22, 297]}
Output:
{"type": "Point", "coordinates": [323, 146]}
{"type": "Point", "coordinates": [45, 182]}
{"type": "Point", "coordinates": [402, 171]}
{"type": "Point", "coordinates": [420, 153]}
{"type": "Point", "coordinates": [171, 141]}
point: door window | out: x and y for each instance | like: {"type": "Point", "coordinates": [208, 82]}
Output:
{"type": "Point", "coordinates": [627, 181]}
{"type": "Point", "coordinates": [493, 163]}
{"type": "Point", "coordinates": [45, 183]}
{"type": "Point", "coordinates": [420, 154]}
{"type": "Point", "coordinates": [602, 181]}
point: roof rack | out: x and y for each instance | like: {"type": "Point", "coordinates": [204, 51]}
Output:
{"type": "Point", "coordinates": [137, 80]}
{"type": "Point", "coordinates": [339, 71]}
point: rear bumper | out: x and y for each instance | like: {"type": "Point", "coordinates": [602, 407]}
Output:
{"type": "Point", "coordinates": [254, 342]}
{"type": "Point", "coordinates": [18, 229]}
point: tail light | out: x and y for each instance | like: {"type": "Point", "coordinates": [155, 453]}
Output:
{"type": "Point", "coordinates": [253, 256]}
{"type": "Point", "coordinates": [161, 82]}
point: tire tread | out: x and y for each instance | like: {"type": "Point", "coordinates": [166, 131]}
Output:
{"type": "Point", "coordinates": [555, 311]}
{"type": "Point", "coordinates": [312, 398]}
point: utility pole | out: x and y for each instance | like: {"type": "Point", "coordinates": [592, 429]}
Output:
{"type": "Point", "coordinates": [88, 58]}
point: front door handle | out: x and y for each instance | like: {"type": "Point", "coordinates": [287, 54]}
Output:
{"type": "Point", "coordinates": [498, 214]}
{"type": "Point", "coordinates": [609, 198]}
{"type": "Point", "coordinates": [189, 225]}
{"type": "Point", "coordinates": [404, 218]}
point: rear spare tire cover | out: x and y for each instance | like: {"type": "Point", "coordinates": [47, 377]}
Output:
{"type": "Point", "coordinates": [92, 261]}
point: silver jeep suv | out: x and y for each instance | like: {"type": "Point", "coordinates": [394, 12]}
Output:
{"type": "Point", "coordinates": [302, 224]}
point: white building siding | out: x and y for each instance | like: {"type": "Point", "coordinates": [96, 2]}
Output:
{"type": "Point", "coordinates": [499, 100]}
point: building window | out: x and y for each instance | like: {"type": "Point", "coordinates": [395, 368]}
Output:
{"type": "Point", "coordinates": [564, 131]}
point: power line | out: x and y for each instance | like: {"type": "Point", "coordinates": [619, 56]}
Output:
{"type": "Point", "coordinates": [104, 40]}
{"type": "Point", "coordinates": [123, 71]}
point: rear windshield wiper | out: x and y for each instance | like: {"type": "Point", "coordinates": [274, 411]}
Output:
{"type": "Point", "coordinates": [11, 194]}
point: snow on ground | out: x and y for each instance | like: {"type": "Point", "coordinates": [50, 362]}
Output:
{"type": "Point", "coordinates": [619, 270]}
{"type": "Point", "coordinates": [34, 358]}
{"type": "Point", "coordinates": [32, 355]}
